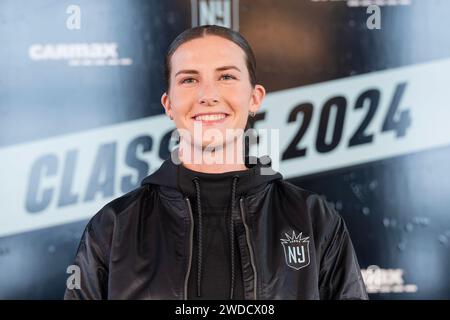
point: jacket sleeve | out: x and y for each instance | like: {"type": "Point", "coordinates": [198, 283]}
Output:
{"type": "Point", "coordinates": [91, 263]}
{"type": "Point", "coordinates": [340, 275]}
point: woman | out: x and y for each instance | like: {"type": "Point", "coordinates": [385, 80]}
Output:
{"type": "Point", "coordinates": [202, 229]}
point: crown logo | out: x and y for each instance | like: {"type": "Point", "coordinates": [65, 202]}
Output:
{"type": "Point", "coordinates": [294, 238]}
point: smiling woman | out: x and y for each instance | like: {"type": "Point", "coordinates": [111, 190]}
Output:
{"type": "Point", "coordinates": [211, 87]}
{"type": "Point", "coordinates": [234, 230]}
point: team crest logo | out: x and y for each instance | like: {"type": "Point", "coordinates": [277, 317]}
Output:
{"type": "Point", "coordinates": [223, 13]}
{"type": "Point", "coordinates": [296, 250]}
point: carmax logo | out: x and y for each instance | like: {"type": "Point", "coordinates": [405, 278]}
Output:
{"type": "Point", "coordinates": [79, 54]}
{"type": "Point", "coordinates": [378, 280]}
{"type": "Point", "coordinates": [366, 3]}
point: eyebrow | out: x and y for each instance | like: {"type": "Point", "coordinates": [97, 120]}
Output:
{"type": "Point", "coordinates": [192, 71]}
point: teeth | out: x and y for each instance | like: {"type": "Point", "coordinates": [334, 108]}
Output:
{"type": "Point", "coordinates": [210, 117]}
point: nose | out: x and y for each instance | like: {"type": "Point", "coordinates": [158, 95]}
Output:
{"type": "Point", "coordinates": [208, 95]}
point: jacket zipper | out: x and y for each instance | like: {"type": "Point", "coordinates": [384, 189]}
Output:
{"type": "Point", "coordinates": [191, 240]}
{"type": "Point", "coordinates": [250, 248]}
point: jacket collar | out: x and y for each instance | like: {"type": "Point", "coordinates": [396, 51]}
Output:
{"type": "Point", "coordinates": [260, 173]}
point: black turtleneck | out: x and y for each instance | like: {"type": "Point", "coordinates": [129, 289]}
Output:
{"type": "Point", "coordinates": [215, 192]}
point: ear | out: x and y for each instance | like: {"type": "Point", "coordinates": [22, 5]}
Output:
{"type": "Point", "coordinates": [258, 94]}
{"type": "Point", "coordinates": [166, 103]}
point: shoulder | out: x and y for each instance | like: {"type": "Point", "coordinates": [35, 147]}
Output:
{"type": "Point", "coordinates": [102, 224]}
{"type": "Point", "coordinates": [313, 201]}
{"type": "Point", "coordinates": [321, 213]}
{"type": "Point", "coordinates": [121, 205]}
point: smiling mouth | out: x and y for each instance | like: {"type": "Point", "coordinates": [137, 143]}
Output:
{"type": "Point", "coordinates": [211, 117]}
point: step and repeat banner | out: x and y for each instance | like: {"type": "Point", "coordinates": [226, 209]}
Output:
{"type": "Point", "coordinates": [357, 90]}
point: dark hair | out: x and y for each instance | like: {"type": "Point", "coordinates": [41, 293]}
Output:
{"type": "Point", "coordinates": [205, 30]}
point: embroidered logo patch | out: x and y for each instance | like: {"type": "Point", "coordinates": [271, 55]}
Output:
{"type": "Point", "coordinates": [296, 250]}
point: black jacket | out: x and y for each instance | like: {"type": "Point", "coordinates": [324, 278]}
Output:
{"type": "Point", "coordinates": [292, 244]}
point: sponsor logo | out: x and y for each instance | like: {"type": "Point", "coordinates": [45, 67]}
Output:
{"type": "Point", "coordinates": [366, 3]}
{"type": "Point", "coordinates": [378, 280]}
{"type": "Point", "coordinates": [223, 13]}
{"type": "Point", "coordinates": [296, 250]}
{"type": "Point", "coordinates": [79, 54]}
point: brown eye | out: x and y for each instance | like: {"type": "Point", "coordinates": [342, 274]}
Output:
{"type": "Point", "coordinates": [184, 80]}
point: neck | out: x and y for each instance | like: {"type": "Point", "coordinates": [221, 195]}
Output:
{"type": "Point", "coordinates": [212, 160]}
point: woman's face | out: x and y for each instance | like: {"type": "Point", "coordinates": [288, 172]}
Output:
{"type": "Point", "coordinates": [210, 88]}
